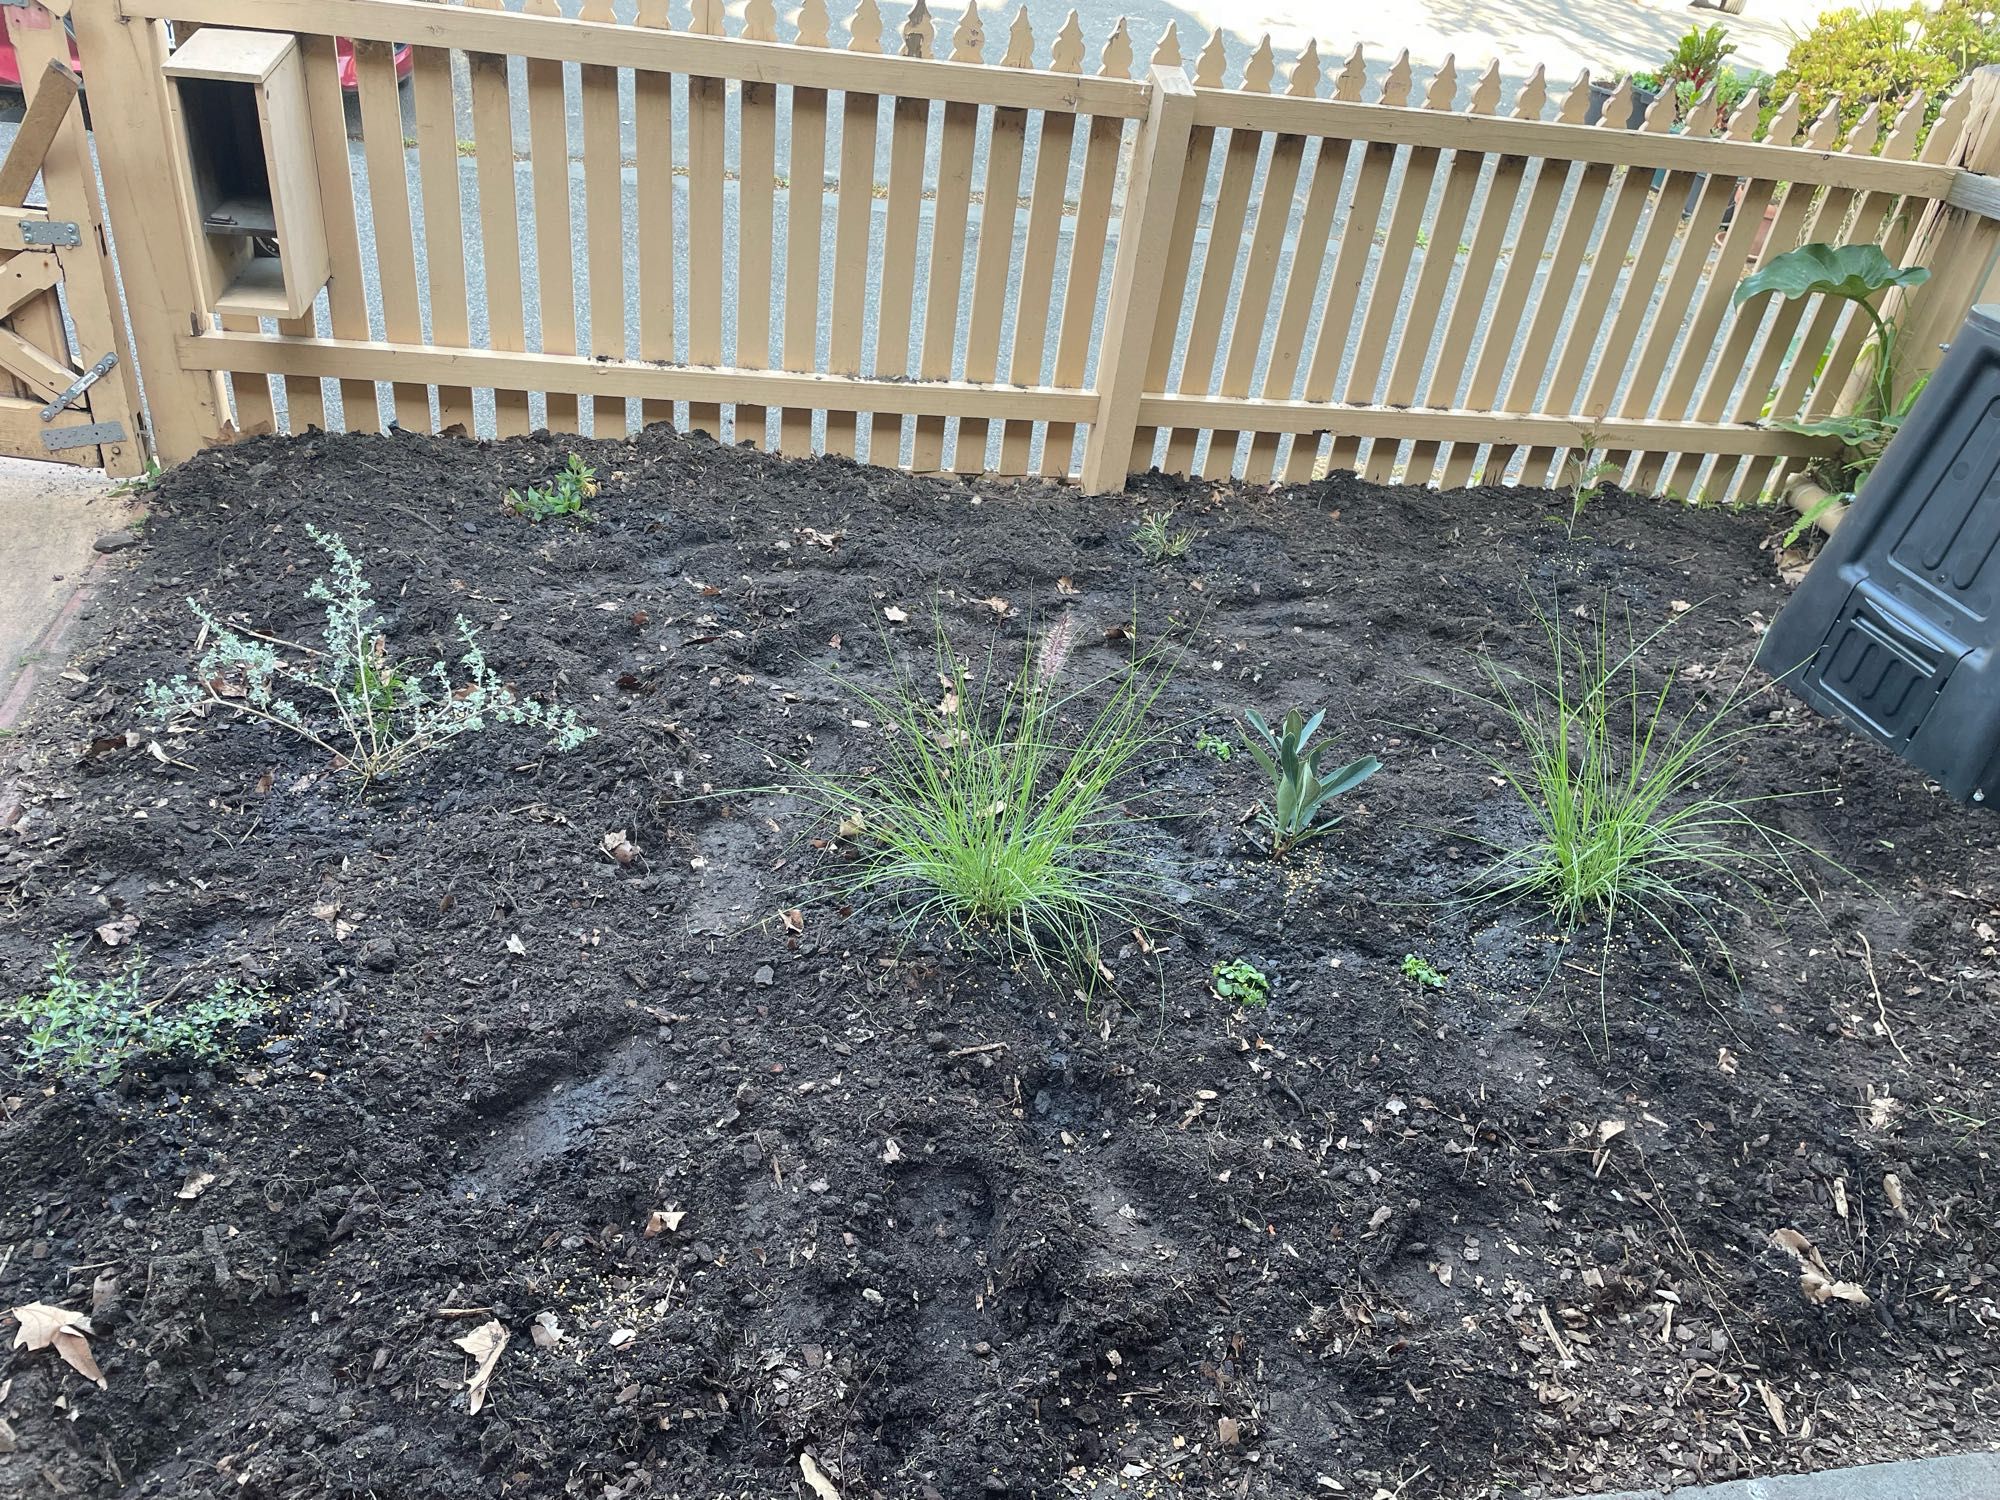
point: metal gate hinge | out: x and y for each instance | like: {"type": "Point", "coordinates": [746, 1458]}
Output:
{"type": "Point", "coordinates": [50, 234]}
{"type": "Point", "coordinates": [94, 435]}
{"type": "Point", "coordinates": [78, 386]}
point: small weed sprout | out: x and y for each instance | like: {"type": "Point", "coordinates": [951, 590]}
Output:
{"type": "Point", "coordinates": [1420, 971]}
{"type": "Point", "coordinates": [997, 811]}
{"type": "Point", "coordinates": [93, 1032]}
{"type": "Point", "coordinates": [372, 713]}
{"type": "Point", "coordinates": [140, 484]}
{"type": "Point", "coordinates": [1635, 806]}
{"type": "Point", "coordinates": [1300, 787]}
{"type": "Point", "coordinates": [1240, 982]}
{"type": "Point", "coordinates": [1214, 745]}
{"type": "Point", "coordinates": [1157, 540]}
{"type": "Point", "coordinates": [565, 496]}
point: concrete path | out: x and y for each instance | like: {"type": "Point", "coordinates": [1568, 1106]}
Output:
{"type": "Point", "coordinates": [1972, 1476]}
{"type": "Point", "coordinates": [51, 515]}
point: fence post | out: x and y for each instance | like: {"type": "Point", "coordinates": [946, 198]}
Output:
{"type": "Point", "coordinates": [1960, 245]}
{"type": "Point", "coordinates": [149, 223]}
{"type": "Point", "coordinates": [1152, 196]}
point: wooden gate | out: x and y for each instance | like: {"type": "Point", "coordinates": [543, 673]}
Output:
{"type": "Point", "coordinates": [67, 389]}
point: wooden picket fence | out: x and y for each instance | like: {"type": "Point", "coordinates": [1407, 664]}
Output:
{"type": "Point", "coordinates": [897, 250]}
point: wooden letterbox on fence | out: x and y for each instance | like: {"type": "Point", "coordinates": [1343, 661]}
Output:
{"type": "Point", "coordinates": [237, 103]}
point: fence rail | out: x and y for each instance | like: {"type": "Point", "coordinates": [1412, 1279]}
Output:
{"type": "Point", "coordinates": [910, 254]}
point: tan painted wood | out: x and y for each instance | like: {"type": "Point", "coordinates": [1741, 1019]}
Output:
{"type": "Point", "coordinates": [1904, 219]}
{"type": "Point", "coordinates": [1350, 268]}
{"type": "Point", "coordinates": [444, 219]}
{"type": "Point", "coordinates": [1510, 310]}
{"type": "Point", "coordinates": [1430, 464]}
{"type": "Point", "coordinates": [22, 430]}
{"type": "Point", "coordinates": [604, 223]}
{"type": "Point", "coordinates": [141, 182]}
{"type": "Point", "coordinates": [1551, 301]}
{"type": "Point", "coordinates": [1612, 260]}
{"type": "Point", "coordinates": [1216, 289]}
{"type": "Point", "coordinates": [233, 56]}
{"type": "Point", "coordinates": [555, 254]}
{"type": "Point", "coordinates": [389, 202]}
{"type": "Point", "coordinates": [1152, 198]}
{"type": "Point", "coordinates": [1053, 145]}
{"type": "Point", "coordinates": [1275, 200]}
{"type": "Point", "coordinates": [945, 270]}
{"type": "Point", "coordinates": [1691, 262]}
{"type": "Point", "coordinates": [499, 226]}
{"type": "Point", "coordinates": [1392, 270]}
{"type": "Point", "coordinates": [90, 277]}
{"type": "Point", "coordinates": [1712, 304]}
{"type": "Point", "coordinates": [805, 225]}
{"type": "Point", "coordinates": [37, 369]}
{"type": "Point", "coordinates": [1429, 311]}
{"type": "Point", "coordinates": [346, 292]}
{"type": "Point", "coordinates": [27, 274]}
{"type": "Point", "coordinates": [579, 374]}
{"type": "Point", "coordinates": [909, 129]}
{"type": "Point", "coordinates": [255, 413]}
{"type": "Point", "coordinates": [653, 128]}
{"type": "Point", "coordinates": [1085, 277]}
{"type": "Point", "coordinates": [993, 268]}
{"type": "Point", "coordinates": [1733, 354]}
{"type": "Point", "coordinates": [853, 222]}
{"type": "Point", "coordinates": [54, 93]}
{"type": "Point", "coordinates": [708, 135]}
{"type": "Point", "coordinates": [756, 212]}
{"type": "Point", "coordinates": [1180, 244]}
{"type": "Point", "coordinates": [1418, 424]}
{"type": "Point", "coordinates": [536, 34]}
{"type": "Point", "coordinates": [1789, 343]}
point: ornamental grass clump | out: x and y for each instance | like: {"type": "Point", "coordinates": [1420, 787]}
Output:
{"type": "Point", "coordinates": [372, 711]}
{"type": "Point", "coordinates": [1636, 805]}
{"type": "Point", "coordinates": [999, 808]}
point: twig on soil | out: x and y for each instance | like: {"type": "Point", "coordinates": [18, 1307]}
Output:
{"type": "Point", "coordinates": [462, 1312]}
{"type": "Point", "coordinates": [1881, 1010]}
{"type": "Point", "coordinates": [975, 1051]}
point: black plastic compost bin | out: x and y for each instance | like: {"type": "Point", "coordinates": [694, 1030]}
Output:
{"type": "Point", "coordinates": [1896, 628]}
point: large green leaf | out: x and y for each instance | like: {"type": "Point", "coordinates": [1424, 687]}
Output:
{"type": "Point", "coordinates": [1856, 272]}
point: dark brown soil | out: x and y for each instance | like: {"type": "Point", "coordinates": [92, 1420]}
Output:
{"type": "Point", "coordinates": [943, 1230]}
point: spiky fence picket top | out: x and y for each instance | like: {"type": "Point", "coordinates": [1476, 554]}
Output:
{"type": "Point", "coordinates": [792, 1189]}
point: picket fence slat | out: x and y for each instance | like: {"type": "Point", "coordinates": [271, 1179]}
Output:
{"type": "Point", "coordinates": [1405, 284]}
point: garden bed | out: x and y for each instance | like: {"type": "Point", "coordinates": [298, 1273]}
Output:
{"type": "Point", "coordinates": [937, 1228]}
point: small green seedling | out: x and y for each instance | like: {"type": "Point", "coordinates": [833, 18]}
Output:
{"type": "Point", "coordinates": [564, 497]}
{"type": "Point", "coordinates": [1215, 745]}
{"type": "Point", "coordinates": [93, 1032]}
{"type": "Point", "coordinates": [1241, 982]}
{"type": "Point", "coordinates": [1157, 540]}
{"type": "Point", "coordinates": [1419, 970]}
{"type": "Point", "coordinates": [140, 484]}
{"type": "Point", "coordinates": [1300, 788]}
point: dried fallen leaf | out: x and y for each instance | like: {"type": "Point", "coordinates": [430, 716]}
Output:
{"type": "Point", "coordinates": [814, 1477]}
{"type": "Point", "coordinates": [485, 1344]}
{"type": "Point", "coordinates": [794, 919]}
{"type": "Point", "coordinates": [57, 1328]}
{"type": "Point", "coordinates": [515, 945]}
{"type": "Point", "coordinates": [663, 1221]}
{"type": "Point", "coordinates": [1227, 1432]}
{"type": "Point", "coordinates": [620, 1337]}
{"type": "Point", "coordinates": [197, 1183]}
{"type": "Point", "coordinates": [894, 615]}
{"type": "Point", "coordinates": [891, 1152]}
{"type": "Point", "coordinates": [120, 929]}
{"type": "Point", "coordinates": [1067, 586]}
{"type": "Point", "coordinates": [1607, 1129]}
{"type": "Point", "coordinates": [1815, 1280]}
{"type": "Point", "coordinates": [620, 847]}
{"type": "Point", "coordinates": [1775, 1406]}
{"type": "Point", "coordinates": [1892, 1189]}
